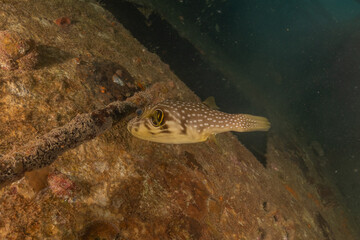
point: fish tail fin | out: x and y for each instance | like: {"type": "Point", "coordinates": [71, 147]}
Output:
{"type": "Point", "coordinates": [250, 123]}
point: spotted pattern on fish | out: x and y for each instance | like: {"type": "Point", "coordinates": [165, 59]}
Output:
{"type": "Point", "coordinates": [186, 122]}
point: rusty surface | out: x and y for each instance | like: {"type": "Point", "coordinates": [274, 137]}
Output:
{"type": "Point", "coordinates": [118, 187]}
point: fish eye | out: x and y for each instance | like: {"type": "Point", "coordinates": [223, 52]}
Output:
{"type": "Point", "coordinates": [157, 118]}
{"type": "Point", "coordinates": [139, 112]}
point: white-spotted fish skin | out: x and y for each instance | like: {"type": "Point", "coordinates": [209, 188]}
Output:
{"type": "Point", "coordinates": [178, 122]}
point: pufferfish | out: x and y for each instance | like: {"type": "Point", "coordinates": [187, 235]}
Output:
{"type": "Point", "coordinates": [177, 122]}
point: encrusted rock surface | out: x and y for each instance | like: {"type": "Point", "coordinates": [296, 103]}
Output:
{"type": "Point", "coordinates": [16, 52]}
{"type": "Point", "coordinates": [119, 187]}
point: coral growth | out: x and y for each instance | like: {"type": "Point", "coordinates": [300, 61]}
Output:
{"type": "Point", "coordinates": [17, 52]}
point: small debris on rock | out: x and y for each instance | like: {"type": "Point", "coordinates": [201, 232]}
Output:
{"type": "Point", "coordinates": [63, 21]}
{"type": "Point", "coordinates": [60, 185]}
{"type": "Point", "coordinates": [117, 78]}
{"type": "Point", "coordinates": [111, 78]}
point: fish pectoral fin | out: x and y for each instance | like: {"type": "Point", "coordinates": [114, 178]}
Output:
{"type": "Point", "coordinates": [210, 102]}
{"type": "Point", "coordinates": [212, 138]}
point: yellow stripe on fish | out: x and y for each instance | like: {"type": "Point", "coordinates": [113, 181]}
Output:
{"type": "Point", "coordinates": [178, 122]}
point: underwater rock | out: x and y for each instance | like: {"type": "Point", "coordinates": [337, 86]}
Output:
{"type": "Point", "coordinates": [327, 195]}
{"type": "Point", "coordinates": [100, 230]}
{"type": "Point", "coordinates": [110, 80]}
{"type": "Point", "coordinates": [37, 179]}
{"type": "Point", "coordinates": [324, 226]}
{"type": "Point", "coordinates": [17, 52]}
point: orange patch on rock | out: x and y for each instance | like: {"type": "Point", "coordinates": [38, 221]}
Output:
{"type": "Point", "coordinates": [314, 199]}
{"type": "Point", "coordinates": [291, 191]}
{"type": "Point", "coordinates": [63, 21]}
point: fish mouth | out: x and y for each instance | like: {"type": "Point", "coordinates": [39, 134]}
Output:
{"type": "Point", "coordinates": [133, 125]}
